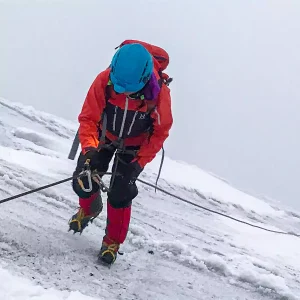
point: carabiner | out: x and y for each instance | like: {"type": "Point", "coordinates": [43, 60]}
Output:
{"type": "Point", "coordinates": [86, 173]}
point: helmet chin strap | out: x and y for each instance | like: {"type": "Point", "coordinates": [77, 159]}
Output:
{"type": "Point", "coordinates": [137, 96]}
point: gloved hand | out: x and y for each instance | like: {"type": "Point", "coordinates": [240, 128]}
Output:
{"type": "Point", "coordinates": [91, 157]}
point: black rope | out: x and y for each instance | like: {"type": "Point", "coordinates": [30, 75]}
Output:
{"type": "Point", "coordinates": [36, 190]}
{"type": "Point", "coordinates": [216, 212]}
{"type": "Point", "coordinates": [43, 188]}
{"type": "Point", "coordinates": [160, 189]}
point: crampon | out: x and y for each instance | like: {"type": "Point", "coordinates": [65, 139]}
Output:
{"type": "Point", "coordinates": [80, 221]}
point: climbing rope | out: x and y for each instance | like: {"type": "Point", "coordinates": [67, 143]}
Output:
{"type": "Point", "coordinates": [157, 188]}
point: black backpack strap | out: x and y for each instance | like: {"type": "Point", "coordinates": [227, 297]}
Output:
{"type": "Point", "coordinates": [107, 92]}
{"type": "Point", "coordinates": [104, 115]}
{"type": "Point", "coordinates": [104, 126]}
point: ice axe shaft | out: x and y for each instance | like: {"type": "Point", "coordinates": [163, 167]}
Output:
{"type": "Point", "coordinates": [75, 146]}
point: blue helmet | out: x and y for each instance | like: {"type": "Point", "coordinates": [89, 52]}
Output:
{"type": "Point", "coordinates": [131, 68]}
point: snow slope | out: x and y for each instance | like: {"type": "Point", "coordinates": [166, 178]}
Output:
{"type": "Point", "coordinates": [173, 250]}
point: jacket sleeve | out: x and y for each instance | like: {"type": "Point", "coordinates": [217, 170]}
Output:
{"type": "Point", "coordinates": [91, 114]}
{"type": "Point", "coordinates": [162, 123]}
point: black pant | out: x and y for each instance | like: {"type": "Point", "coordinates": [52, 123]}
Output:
{"type": "Point", "coordinates": [121, 193]}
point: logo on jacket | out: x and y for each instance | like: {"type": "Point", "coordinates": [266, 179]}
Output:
{"type": "Point", "coordinates": [142, 117]}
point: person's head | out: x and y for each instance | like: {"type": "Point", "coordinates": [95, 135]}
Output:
{"type": "Point", "coordinates": [131, 68]}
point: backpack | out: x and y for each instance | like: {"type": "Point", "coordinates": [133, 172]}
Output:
{"type": "Point", "coordinates": [160, 59]}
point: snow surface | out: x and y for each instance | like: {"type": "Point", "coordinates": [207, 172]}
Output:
{"type": "Point", "coordinates": [173, 250]}
{"type": "Point", "coordinates": [13, 287]}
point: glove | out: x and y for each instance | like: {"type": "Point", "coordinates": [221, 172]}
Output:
{"type": "Point", "coordinates": [91, 157]}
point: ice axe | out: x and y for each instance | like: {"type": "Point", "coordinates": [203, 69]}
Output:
{"type": "Point", "coordinates": [75, 146]}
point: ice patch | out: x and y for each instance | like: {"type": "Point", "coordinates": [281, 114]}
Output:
{"type": "Point", "coordinates": [268, 281]}
{"type": "Point", "coordinates": [46, 165]}
{"type": "Point", "coordinates": [16, 288]}
{"type": "Point", "coordinates": [258, 274]}
{"type": "Point", "coordinates": [186, 175]}
{"type": "Point", "coordinates": [218, 264]}
{"type": "Point", "coordinates": [59, 126]}
{"type": "Point", "coordinates": [40, 139]}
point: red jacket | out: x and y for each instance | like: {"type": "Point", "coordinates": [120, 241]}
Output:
{"type": "Point", "coordinates": [137, 117]}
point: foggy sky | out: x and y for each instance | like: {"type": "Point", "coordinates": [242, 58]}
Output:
{"type": "Point", "coordinates": [235, 64]}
